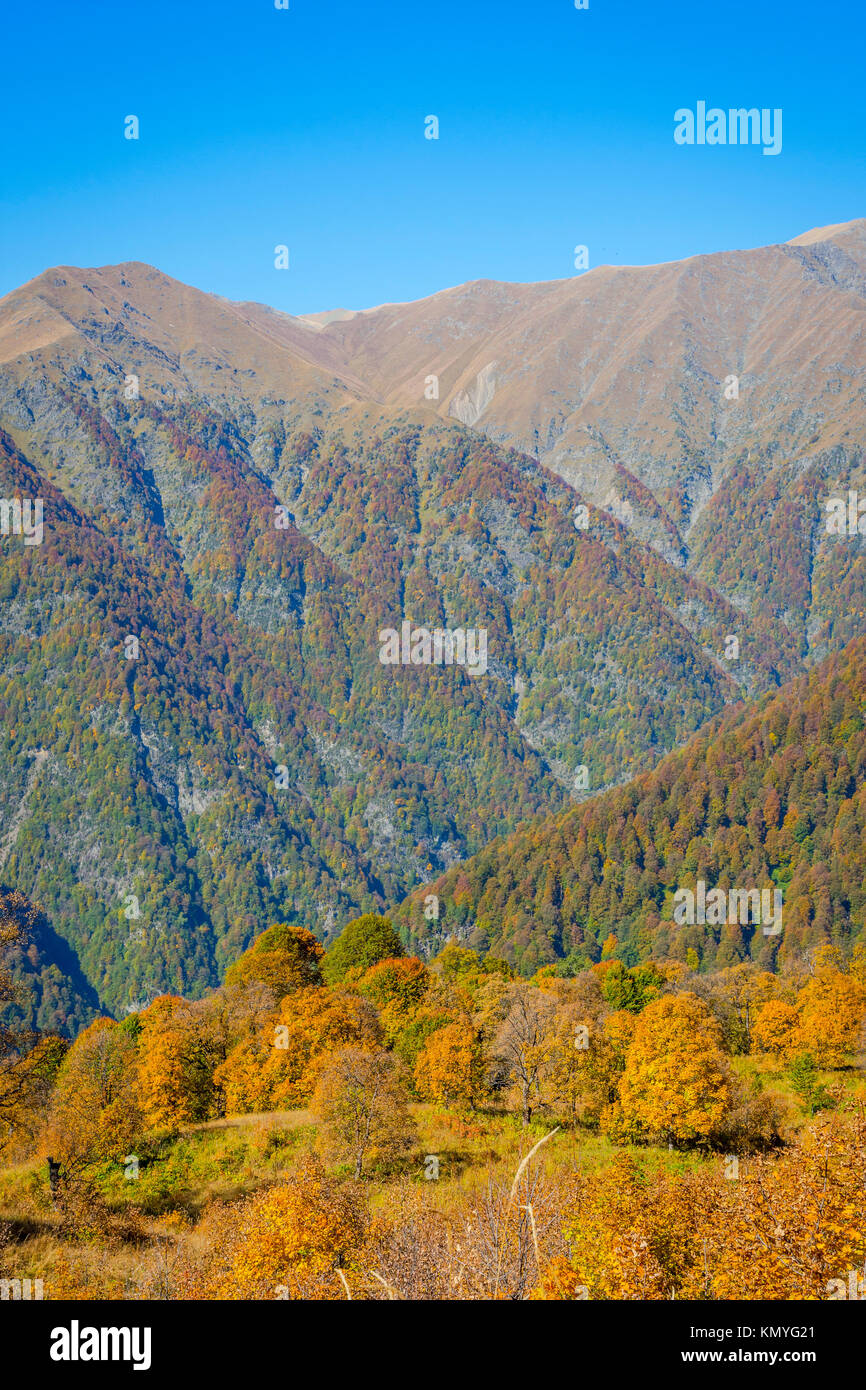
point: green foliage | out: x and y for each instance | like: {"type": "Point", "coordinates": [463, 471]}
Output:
{"type": "Point", "coordinates": [259, 649]}
{"type": "Point", "coordinates": [806, 1084]}
{"type": "Point", "coordinates": [363, 942]}
{"type": "Point", "coordinates": [630, 989]}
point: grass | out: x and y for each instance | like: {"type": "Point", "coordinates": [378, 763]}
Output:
{"type": "Point", "coordinates": [771, 1076]}
{"type": "Point", "coordinates": [181, 1175]}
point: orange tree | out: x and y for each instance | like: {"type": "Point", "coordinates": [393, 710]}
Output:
{"type": "Point", "coordinates": [450, 1066]}
{"type": "Point", "coordinates": [277, 1063]}
{"type": "Point", "coordinates": [832, 1010]}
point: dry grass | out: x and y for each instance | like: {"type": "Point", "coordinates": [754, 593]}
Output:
{"type": "Point", "coordinates": [463, 1235]}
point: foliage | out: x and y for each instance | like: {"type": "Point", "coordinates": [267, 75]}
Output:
{"type": "Point", "coordinates": [360, 1104]}
{"type": "Point", "coordinates": [831, 1008]}
{"type": "Point", "coordinates": [285, 957]}
{"type": "Point", "coordinates": [450, 1066]}
{"type": "Point", "coordinates": [289, 1242]}
{"type": "Point", "coordinates": [783, 1228]}
{"type": "Point", "coordinates": [770, 796]}
{"type": "Point", "coordinates": [96, 1111]}
{"type": "Point", "coordinates": [676, 1083]}
{"type": "Point", "coordinates": [363, 942]}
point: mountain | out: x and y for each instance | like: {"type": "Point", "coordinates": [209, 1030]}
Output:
{"type": "Point", "coordinates": [616, 381]}
{"type": "Point", "coordinates": [768, 797]}
{"type": "Point", "coordinates": [51, 992]}
{"type": "Point", "coordinates": [197, 736]}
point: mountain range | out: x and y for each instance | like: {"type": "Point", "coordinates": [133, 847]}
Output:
{"type": "Point", "coordinates": [622, 477]}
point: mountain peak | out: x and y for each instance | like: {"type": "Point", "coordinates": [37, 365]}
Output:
{"type": "Point", "coordinates": [839, 231]}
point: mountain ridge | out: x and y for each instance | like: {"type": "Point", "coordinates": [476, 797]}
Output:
{"type": "Point", "coordinates": [167, 430]}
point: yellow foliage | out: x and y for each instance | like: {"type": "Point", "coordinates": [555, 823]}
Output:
{"type": "Point", "coordinates": [289, 1241]}
{"type": "Point", "coordinates": [450, 1066]}
{"type": "Point", "coordinates": [277, 1066]}
{"type": "Point", "coordinates": [782, 1228]}
{"type": "Point", "coordinates": [675, 1083]}
{"type": "Point", "coordinates": [831, 1009]}
{"type": "Point", "coordinates": [776, 1028]}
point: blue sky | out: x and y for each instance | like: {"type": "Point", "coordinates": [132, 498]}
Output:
{"type": "Point", "coordinates": [305, 127]}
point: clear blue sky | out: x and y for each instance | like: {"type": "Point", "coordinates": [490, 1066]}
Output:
{"type": "Point", "coordinates": [306, 127]}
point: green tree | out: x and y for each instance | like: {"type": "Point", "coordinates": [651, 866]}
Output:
{"type": "Point", "coordinates": [363, 942]}
{"type": "Point", "coordinates": [806, 1085]}
{"type": "Point", "coordinates": [630, 989]}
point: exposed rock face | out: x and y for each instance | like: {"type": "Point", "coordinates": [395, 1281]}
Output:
{"type": "Point", "coordinates": [469, 406]}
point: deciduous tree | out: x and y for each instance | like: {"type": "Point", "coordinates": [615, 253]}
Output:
{"type": "Point", "coordinates": [676, 1084]}
{"type": "Point", "coordinates": [360, 1103]}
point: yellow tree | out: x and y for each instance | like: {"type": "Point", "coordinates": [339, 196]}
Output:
{"type": "Point", "coordinates": [450, 1066]}
{"type": "Point", "coordinates": [740, 990]}
{"type": "Point", "coordinates": [587, 1059]}
{"type": "Point", "coordinates": [832, 1007]}
{"type": "Point", "coordinates": [284, 958]}
{"type": "Point", "coordinates": [26, 1082]}
{"type": "Point", "coordinates": [775, 1028]}
{"type": "Point", "coordinates": [676, 1084]}
{"type": "Point", "coordinates": [397, 988]}
{"type": "Point", "coordinates": [300, 1240]}
{"type": "Point", "coordinates": [95, 1111]}
{"type": "Point", "coordinates": [175, 1063]}
{"type": "Point", "coordinates": [525, 1041]}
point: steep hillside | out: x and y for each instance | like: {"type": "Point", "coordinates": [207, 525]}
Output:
{"type": "Point", "coordinates": [50, 992]}
{"type": "Point", "coordinates": [772, 797]}
{"type": "Point", "coordinates": [154, 776]}
{"type": "Point", "coordinates": [619, 381]}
